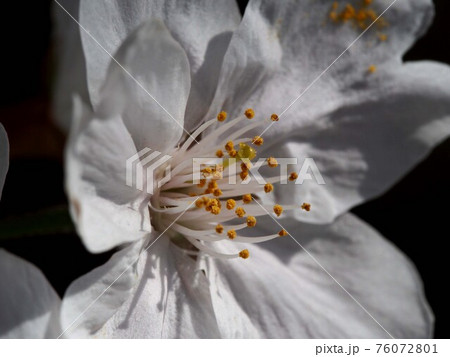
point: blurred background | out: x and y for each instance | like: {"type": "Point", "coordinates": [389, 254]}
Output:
{"type": "Point", "coordinates": [413, 214]}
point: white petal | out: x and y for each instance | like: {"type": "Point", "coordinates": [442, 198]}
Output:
{"type": "Point", "coordinates": [307, 42]}
{"type": "Point", "coordinates": [150, 87]}
{"type": "Point", "coordinates": [203, 28]}
{"type": "Point", "coordinates": [70, 66]}
{"type": "Point", "coordinates": [169, 298]}
{"type": "Point", "coordinates": [286, 294]}
{"type": "Point", "coordinates": [106, 211]}
{"type": "Point", "coordinates": [4, 157]}
{"type": "Point", "coordinates": [29, 306]}
{"type": "Point", "coordinates": [384, 128]}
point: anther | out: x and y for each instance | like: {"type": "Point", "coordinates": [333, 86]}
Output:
{"type": "Point", "coordinates": [229, 146]}
{"type": "Point", "coordinates": [306, 206]}
{"type": "Point", "coordinates": [278, 209]}
{"type": "Point", "coordinates": [268, 187]}
{"type": "Point", "coordinates": [219, 229]}
{"type": "Point", "coordinates": [272, 162]}
{"type": "Point", "coordinates": [243, 175]}
{"type": "Point", "coordinates": [240, 212]}
{"type": "Point", "coordinates": [217, 192]}
{"type": "Point", "coordinates": [247, 198]}
{"type": "Point", "coordinates": [219, 153]}
{"type": "Point", "coordinates": [282, 233]}
{"type": "Point", "coordinates": [372, 68]}
{"type": "Point", "coordinates": [202, 183]}
{"type": "Point", "coordinates": [231, 204]}
{"type": "Point", "coordinates": [274, 117]}
{"type": "Point", "coordinates": [231, 234]}
{"type": "Point", "coordinates": [244, 254]}
{"type": "Point", "coordinates": [293, 176]}
{"type": "Point", "coordinates": [222, 116]}
{"type": "Point", "coordinates": [249, 113]}
{"type": "Point", "coordinates": [257, 140]}
{"type": "Point", "coordinates": [251, 221]}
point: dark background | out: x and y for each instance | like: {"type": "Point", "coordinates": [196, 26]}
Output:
{"type": "Point", "coordinates": [413, 214]}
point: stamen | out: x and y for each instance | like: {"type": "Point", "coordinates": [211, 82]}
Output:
{"type": "Point", "coordinates": [306, 206]}
{"type": "Point", "coordinates": [221, 116]}
{"type": "Point", "coordinates": [240, 212]}
{"type": "Point", "coordinates": [251, 221]}
{"type": "Point", "coordinates": [219, 229]}
{"type": "Point", "coordinates": [293, 176]}
{"type": "Point", "coordinates": [274, 117]}
{"type": "Point", "coordinates": [244, 254]}
{"type": "Point", "coordinates": [231, 234]}
{"type": "Point", "coordinates": [257, 140]}
{"type": "Point", "coordinates": [282, 233]}
{"type": "Point", "coordinates": [272, 162]}
{"type": "Point", "coordinates": [249, 113]}
{"type": "Point", "coordinates": [278, 210]}
{"type": "Point", "coordinates": [247, 198]}
{"type": "Point", "coordinates": [231, 204]}
{"type": "Point", "coordinates": [268, 187]}
{"type": "Point", "coordinates": [219, 153]}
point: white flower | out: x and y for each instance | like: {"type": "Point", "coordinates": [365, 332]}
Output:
{"type": "Point", "coordinates": [366, 122]}
{"type": "Point", "coordinates": [29, 307]}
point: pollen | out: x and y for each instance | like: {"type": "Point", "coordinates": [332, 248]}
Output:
{"type": "Point", "coordinates": [231, 234]}
{"type": "Point", "coordinates": [293, 176]}
{"type": "Point", "coordinates": [274, 117]}
{"type": "Point", "coordinates": [229, 146]}
{"type": "Point", "coordinates": [240, 212]}
{"type": "Point", "coordinates": [278, 209]}
{"type": "Point", "coordinates": [219, 153]}
{"type": "Point", "coordinates": [217, 192]}
{"type": "Point", "coordinates": [199, 203]}
{"type": "Point", "coordinates": [231, 203]}
{"type": "Point", "coordinates": [272, 162]}
{"type": "Point", "coordinates": [247, 198]}
{"type": "Point", "coordinates": [282, 233]}
{"type": "Point", "coordinates": [251, 221]}
{"type": "Point", "coordinates": [222, 116]}
{"type": "Point", "coordinates": [202, 183]}
{"type": "Point", "coordinates": [306, 206]}
{"type": "Point", "coordinates": [268, 187]}
{"type": "Point", "coordinates": [244, 254]}
{"type": "Point", "coordinates": [258, 141]}
{"type": "Point", "coordinates": [219, 229]}
{"type": "Point", "coordinates": [249, 113]}
{"type": "Point", "coordinates": [372, 68]}
{"type": "Point", "coordinates": [243, 175]}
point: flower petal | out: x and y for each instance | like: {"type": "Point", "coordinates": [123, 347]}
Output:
{"type": "Point", "coordinates": [203, 28]}
{"type": "Point", "coordinates": [106, 211]}
{"type": "Point", "coordinates": [70, 78]}
{"type": "Point", "coordinates": [384, 127]}
{"type": "Point", "coordinates": [4, 157]}
{"type": "Point", "coordinates": [292, 43]}
{"type": "Point", "coordinates": [149, 89]}
{"type": "Point", "coordinates": [169, 298]}
{"type": "Point", "coordinates": [286, 294]}
{"type": "Point", "coordinates": [92, 299]}
{"type": "Point", "coordinates": [29, 306]}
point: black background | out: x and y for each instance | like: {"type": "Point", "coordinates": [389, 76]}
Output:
{"type": "Point", "coordinates": [413, 214]}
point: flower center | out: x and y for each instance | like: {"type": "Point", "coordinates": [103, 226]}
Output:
{"type": "Point", "coordinates": [211, 196]}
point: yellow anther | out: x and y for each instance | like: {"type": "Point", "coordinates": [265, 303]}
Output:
{"type": "Point", "coordinates": [207, 172]}
{"type": "Point", "coordinates": [245, 166]}
{"type": "Point", "coordinates": [217, 175]}
{"type": "Point", "coordinates": [306, 206]}
{"type": "Point", "coordinates": [217, 192]}
{"type": "Point", "coordinates": [215, 210]}
{"type": "Point", "coordinates": [240, 212]}
{"type": "Point", "coordinates": [251, 221]}
{"type": "Point", "coordinates": [222, 116]}
{"type": "Point", "coordinates": [258, 141]}
{"type": "Point", "coordinates": [272, 162]}
{"type": "Point", "coordinates": [282, 233]}
{"type": "Point", "coordinates": [274, 117]}
{"type": "Point", "coordinates": [268, 187]}
{"type": "Point", "coordinates": [219, 153]}
{"type": "Point", "coordinates": [247, 198]}
{"type": "Point", "coordinates": [249, 113]}
{"type": "Point", "coordinates": [382, 37]}
{"type": "Point", "coordinates": [205, 200]}
{"type": "Point", "coordinates": [244, 254]}
{"type": "Point", "coordinates": [199, 203]}
{"type": "Point", "coordinates": [231, 203]}
{"type": "Point", "coordinates": [229, 146]}
{"type": "Point", "coordinates": [231, 234]}
{"type": "Point", "coordinates": [372, 68]}
{"type": "Point", "coordinates": [293, 176]}
{"type": "Point", "coordinates": [348, 13]}
{"type": "Point", "coordinates": [278, 210]}
{"type": "Point", "coordinates": [232, 153]}
{"type": "Point", "coordinates": [219, 229]}
{"type": "Point", "coordinates": [202, 183]}
{"type": "Point", "coordinates": [212, 185]}
{"type": "Point", "coordinates": [243, 175]}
